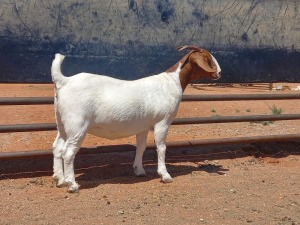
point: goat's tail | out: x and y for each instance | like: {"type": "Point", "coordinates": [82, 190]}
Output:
{"type": "Point", "coordinates": [56, 73]}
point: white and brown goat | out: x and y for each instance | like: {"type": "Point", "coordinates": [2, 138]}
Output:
{"type": "Point", "coordinates": [113, 108]}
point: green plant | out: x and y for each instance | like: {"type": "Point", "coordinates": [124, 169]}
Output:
{"type": "Point", "coordinates": [275, 110]}
{"type": "Point", "coordinates": [214, 113]}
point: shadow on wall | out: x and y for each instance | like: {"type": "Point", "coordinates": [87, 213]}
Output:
{"type": "Point", "coordinates": [238, 65]}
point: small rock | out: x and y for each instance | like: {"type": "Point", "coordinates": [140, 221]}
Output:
{"type": "Point", "coordinates": [121, 212]}
{"type": "Point", "coordinates": [283, 88]}
{"type": "Point", "coordinates": [232, 191]}
{"type": "Point", "coordinates": [296, 89]}
{"type": "Point", "coordinates": [196, 173]}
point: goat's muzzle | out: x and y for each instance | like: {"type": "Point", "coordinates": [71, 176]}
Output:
{"type": "Point", "coordinates": [216, 76]}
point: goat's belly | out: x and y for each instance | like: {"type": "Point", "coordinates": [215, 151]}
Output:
{"type": "Point", "coordinates": [111, 132]}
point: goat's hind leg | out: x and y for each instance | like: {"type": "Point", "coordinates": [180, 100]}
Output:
{"type": "Point", "coordinates": [58, 171]}
{"type": "Point", "coordinates": [71, 148]}
{"type": "Point", "coordinates": [141, 140]}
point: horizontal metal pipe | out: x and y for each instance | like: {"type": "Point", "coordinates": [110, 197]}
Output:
{"type": "Point", "coordinates": [233, 119]}
{"type": "Point", "coordinates": [26, 100]}
{"type": "Point", "coordinates": [27, 127]}
{"type": "Point", "coordinates": [238, 97]}
{"type": "Point", "coordinates": [177, 121]}
{"type": "Point", "coordinates": [171, 145]}
{"type": "Point", "coordinates": [185, 98]}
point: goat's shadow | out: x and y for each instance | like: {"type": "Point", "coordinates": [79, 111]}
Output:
{"type": "Point", "coordinates": [121, 172]}
{"type": "Point", "coordinates": [94, 170]}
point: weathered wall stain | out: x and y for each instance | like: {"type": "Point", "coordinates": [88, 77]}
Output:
{"type": "Point", "coordinates": [254, 40]}
{"type": "Point", "coordinates": [166, 9]}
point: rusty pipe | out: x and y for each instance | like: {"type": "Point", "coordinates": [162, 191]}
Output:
{"type": "Point", "coordinates": [27, 127]}
{"type": "Point", "coordinates": [233, 119]}
{"type": "Point", "coordinates": [170, 145]}
{"type": "Point", "coordinates": [238, 97]}
{"type": "Point", "coordinates": [185, 98]}
{"type": "Point", "coordinates": [26, 100]}
{"type": "Point", "coordinates": [177, 121]}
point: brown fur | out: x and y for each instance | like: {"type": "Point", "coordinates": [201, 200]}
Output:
{"type": "Point", "coordinates": [195, 65]}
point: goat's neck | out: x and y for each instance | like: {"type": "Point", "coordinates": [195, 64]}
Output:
{"type": "Point", "coordinates": [185, 75]}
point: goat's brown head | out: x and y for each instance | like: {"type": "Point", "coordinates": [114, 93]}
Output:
{"type": "Point", "coordinates": [203, 64]}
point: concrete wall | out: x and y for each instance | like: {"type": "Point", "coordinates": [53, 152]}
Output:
{"type": "Point", "coordinates": [253, 40]}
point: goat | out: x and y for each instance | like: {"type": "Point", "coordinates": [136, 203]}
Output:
{"type": "Point", "coordinates": [113, 108]}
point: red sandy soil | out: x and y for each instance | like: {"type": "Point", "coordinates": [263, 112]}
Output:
{"type": "Point", "coordinates": [232, 184]}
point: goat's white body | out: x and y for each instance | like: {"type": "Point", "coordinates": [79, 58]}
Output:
{"type": "Point", "coordinates": [112, 108]}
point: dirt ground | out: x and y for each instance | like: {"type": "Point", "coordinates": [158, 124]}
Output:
{"type": "Point", "coordinates": [256, 183]}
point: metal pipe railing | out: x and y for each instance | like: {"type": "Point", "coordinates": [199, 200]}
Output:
{"type": "Point", "coordinates": [239, 97]}
{"type": "Point", "coordinates": [27, 127]}
{"type": "Point", "coordinates": [170, 145]}
{"type": "Point", "coordinates": [177, 121]}
{"type": "Point", "coordinates": [234, 119]}
{"type": "Point", "coordinates": [26, 101]}
{"type": "Point", "coordinates": [185, 98]}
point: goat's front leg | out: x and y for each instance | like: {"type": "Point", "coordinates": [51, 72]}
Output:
{"type": "Point", "coordinates": [160, 135]}
{"type": "Point", "coordinates": [141, 142]}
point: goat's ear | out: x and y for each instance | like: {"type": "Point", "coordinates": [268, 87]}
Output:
{"type": "Point", "coordinates": [204, 65]}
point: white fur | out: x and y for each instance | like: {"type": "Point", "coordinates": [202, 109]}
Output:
{"type": "Point", "coordinates": [111, 108]}
{"type": "Point", "coordinates": [216, 63]}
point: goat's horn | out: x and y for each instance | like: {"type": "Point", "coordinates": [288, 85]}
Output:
{"type": "Point", "coordinates": [190, 47]}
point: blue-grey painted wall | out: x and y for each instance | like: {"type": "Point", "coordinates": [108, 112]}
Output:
{"type": "Point", "coordinates": [253, 40]}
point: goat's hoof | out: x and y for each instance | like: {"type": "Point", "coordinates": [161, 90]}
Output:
{"type": "Point", "coordinates": [61, 183]}
{"type": "Point", "coordinates": [167, 178]}
{"type": "Point", "coordinates": [74, 188]}
{"type": "Point", "coordinates": [139, 172]}
{"type": "Point", "coordinates": [56, 177]}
